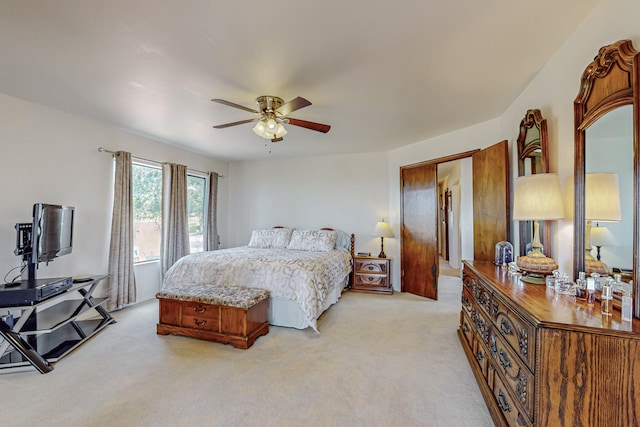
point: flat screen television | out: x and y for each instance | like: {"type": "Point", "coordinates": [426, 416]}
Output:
{"type": "Point", "coordinates": [52, 232]}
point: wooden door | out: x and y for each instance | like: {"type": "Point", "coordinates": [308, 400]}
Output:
{"type": "Point", "coordinates": [490, 200]}
{"type": "Point", "coordinates": [419, 244]}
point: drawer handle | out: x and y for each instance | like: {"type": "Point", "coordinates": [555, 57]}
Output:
{"type": "Point", "coordinates": [465, 328]}
{"type": "Point", "coordinates": [199, 323]}
{"type": "Point", "coordinates": [503, 404]}
{"type": "Point", "coordinates": [199, 308]}
{"type": "Point", "coordinates": [504, 359]}
{"type": "Point", "coordinates": [479, 356]}
{"type": "Point", "coordinates": [505, 327]}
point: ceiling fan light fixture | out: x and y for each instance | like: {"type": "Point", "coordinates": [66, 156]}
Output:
{"type": "Point", "coordinates": [273, 114]}
{"type": "Point", "coordinates": [269, 129]}
{"type": "Point", "coordinates": [280, 131]}
{"type": "Point", "coordinates": [260, 128]}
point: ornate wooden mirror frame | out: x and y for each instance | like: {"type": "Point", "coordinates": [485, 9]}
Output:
{"type": "Point", "coordinates": [533, 158]}
{"type": "Point", "coordinates": [606, 84]}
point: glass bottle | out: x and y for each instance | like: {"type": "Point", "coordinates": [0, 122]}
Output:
{"type": "Point", "coordinates": [627, 308]}
{"type": "Point", "coordinates": [607, 299]}
{"type": "Point", "coordinates": [581, 286]}
{"type": "Point", "coordinates": [591, 292]}
{"type": "Point", "coordinates": [596, 281]}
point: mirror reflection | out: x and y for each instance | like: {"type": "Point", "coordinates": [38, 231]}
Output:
{"type": "Point", "coordinates": [609, 150]}
{"type": "Point", "coordinates": [533, 159]}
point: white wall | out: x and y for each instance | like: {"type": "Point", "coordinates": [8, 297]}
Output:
{"type": "Point", "coordinates": [50, 156]}
{"type": "Point", "coordinates": [348, 192]}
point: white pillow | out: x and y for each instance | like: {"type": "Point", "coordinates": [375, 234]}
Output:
{"type": "Point", "coordinates": [282, 237]}
{"type": "Point", "coordinates": [313, 240]}
{"type": "Point", "coordinates": [277, 238]}
{"type": "Point", "coordinates": [261, 239]}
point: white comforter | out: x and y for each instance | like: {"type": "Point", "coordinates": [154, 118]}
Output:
{"type": "Point", "coordinates": [306, 277]}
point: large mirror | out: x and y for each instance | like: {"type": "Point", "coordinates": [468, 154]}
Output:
{"type": "Point", "coordinates": [533, 158]}
{"type": "Point", "coordinates": [606, 115]}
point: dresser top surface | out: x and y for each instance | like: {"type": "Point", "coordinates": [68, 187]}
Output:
{"type": "Point", "coordinates": [547, 307]}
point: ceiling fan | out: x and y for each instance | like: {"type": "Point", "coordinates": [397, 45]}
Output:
{"type": "Point", "coordinates": [272, 115]}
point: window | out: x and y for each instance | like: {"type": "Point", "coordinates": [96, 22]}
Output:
{"type": "Point", "coordinates": [147, 211]}
{"type": "Point", "coordinates": [196, 186]}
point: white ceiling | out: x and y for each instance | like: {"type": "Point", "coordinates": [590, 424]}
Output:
{"type": "Point", "coordinates": [382, 74]}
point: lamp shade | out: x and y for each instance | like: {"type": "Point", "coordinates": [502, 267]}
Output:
{"type": "Point", "coordinates": [538, 197]}
{"type": "Point", "coordinates": [602, 197]}
{"type": "Point", "coordinates": [382, 229]}
{"type": "Point", "coordinates": [601, 236]}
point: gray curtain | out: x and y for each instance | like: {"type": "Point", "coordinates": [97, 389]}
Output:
{"type": "Point", "coordinates": [121, 284]}
{"type": "Point", "coordinates": [175, 227]}
{"type": "Point", "coordinates": [211, 228]}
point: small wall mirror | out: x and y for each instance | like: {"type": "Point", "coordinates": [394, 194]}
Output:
{"type": "Point", "coordinates": [606, 112]}
{"type": "Point", "coordinates": [532, 159]}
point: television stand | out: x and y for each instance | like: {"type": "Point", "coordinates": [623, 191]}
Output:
{"type": "Point", "coordinates": [40, 334]}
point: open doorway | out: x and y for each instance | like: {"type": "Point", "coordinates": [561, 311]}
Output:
{"type": "Point", "coordinates": [454, 193]}
{"type": "Point", "coordinates": [487, 203]}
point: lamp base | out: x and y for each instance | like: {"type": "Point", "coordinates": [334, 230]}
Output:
{"type": "Point", "coordinates": [595, 266]}
{"type": "Point", "coordinates": [536, 267]}
{"type": "Point", "coordinates": [382, 255]}
{"type": "Point", "coordinates": [534, 278]}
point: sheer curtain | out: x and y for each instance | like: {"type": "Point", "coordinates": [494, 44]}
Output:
{"type": "Point", "coordinates": [211, 238]}
{"type": "Point", "coordinates": [175, 228]}
{"type": "Point", "coordinates": [121, 284]}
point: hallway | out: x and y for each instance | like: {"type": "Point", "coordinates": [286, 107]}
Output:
{"type": "Point", "coordinates": [447, 270]}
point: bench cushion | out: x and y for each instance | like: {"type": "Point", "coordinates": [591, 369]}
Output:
{"type": "Point", "coordinates": [231, 296]}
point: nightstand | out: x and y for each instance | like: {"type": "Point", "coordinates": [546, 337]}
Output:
{"type": "Point", "coordinates": [371, 274]}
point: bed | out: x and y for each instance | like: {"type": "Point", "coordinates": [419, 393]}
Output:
{"type": "Point", "coordinates": [306, 271]}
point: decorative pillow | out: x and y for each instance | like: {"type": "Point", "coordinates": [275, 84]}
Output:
{"type": "Point", "coordinates": [262, 239]}
{"type": "Point", "coordinates": [313, 240]}
{"type": "Point", "coordinates": [282, 237]}
{"type": "Point", "coordinates": [343, 241]}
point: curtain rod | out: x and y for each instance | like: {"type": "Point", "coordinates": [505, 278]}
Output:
{"type": "Point", "coordinates": [104, 150]}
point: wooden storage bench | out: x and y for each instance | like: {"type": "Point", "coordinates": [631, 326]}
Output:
{"type": "Point", "coordinates": [228, 314]}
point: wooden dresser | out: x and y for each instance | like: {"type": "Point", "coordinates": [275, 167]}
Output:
{"type": "Point", "coordinates": [543, 359]}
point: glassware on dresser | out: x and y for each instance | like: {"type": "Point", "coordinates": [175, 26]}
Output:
{"type": "Point", "coordinates": [581, 286]}
{"type": "Point", "coordinates": [503, 253]}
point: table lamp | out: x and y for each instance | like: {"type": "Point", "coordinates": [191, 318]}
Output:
{"type": "Point", "coordinates": [537, 197]}
{"type": "Point", "coordinates": [601, 236]}
{"type": "Point", "coordinates": [601, 204]}
{"type": "Point", "coordinates": [382, 230]}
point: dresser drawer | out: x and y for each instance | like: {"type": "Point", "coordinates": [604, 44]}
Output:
{"type": "Point", "coordinates": [205, 311]}
{"type": "Point", "coordinates": [367, 279]}
{"type": "Point", "coordinates": [371, 266]}
{"type": "Point", "coordinates": [467, 328]}
{"type": "Point", "coordinates": [482, 356]}
{"type": "Point", "coordinates": [200, 316]}
{"type": "Point", "coordinates": [483, 326]}
{"type": "Point", "coordinates": [517, 377]}
{"type": "Point", "coordinates": [518, 333]}
{"type": "Point", "coordinates": [482, 297]}
{"type": "Point", "coordinates": [467, 301]}
{"type": "Point", "coordinates": [510, 410]}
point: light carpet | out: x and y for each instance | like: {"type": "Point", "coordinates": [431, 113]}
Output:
{"type": "Point", "coordinates": [378, 361]}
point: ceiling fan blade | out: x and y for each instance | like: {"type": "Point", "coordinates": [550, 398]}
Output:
{"type": "Point", "coordinates": [241, 122]}
{"type": "Point", "coordinates": [309, 125]}
{"type": "Point", "coordinates": [231, 104]}
{"type": "Point", "coordinates": [293, 105]}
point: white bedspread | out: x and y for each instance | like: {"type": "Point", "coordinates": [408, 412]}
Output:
{"type": "Point", "coordinates": [306, 277]}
